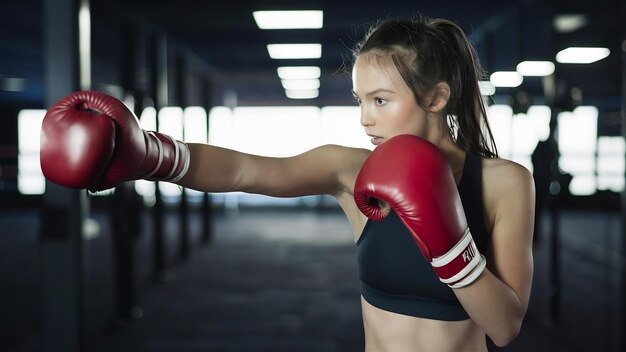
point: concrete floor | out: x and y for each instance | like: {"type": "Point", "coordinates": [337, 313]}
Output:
{"type": "Point", "coordinates": [275, 280]}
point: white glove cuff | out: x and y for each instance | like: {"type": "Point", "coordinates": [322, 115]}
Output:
{"type": "Point", "coordinates": [185, 152]}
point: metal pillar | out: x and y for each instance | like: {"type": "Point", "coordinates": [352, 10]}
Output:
{"type": "Point", "coordinates": [157, 58]}
{"type": "Point", "coordinates": [125, 215]}
{"type": "Point", "coordinates": [207, 209]}
{"type": "Point", "coordinates": [62, 250]}
{"type": "Point", "coordinates": [126, 205]}
{"type": "Point", "coordinates": [181, 67]}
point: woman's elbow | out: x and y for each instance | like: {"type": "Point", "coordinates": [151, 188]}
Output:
{"type": "Point", "coordinates": [507, 334]}
{"type": "Point", "coordinates": [504, 340]}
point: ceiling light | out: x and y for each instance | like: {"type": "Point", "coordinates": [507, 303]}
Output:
{"type": "Point", "coordinates": [299, 72]}
{"type": "Point", "coordinates": [12, 84]}
{"type": "Point", "coordinates": [535, 68]}
{"type": "Point", "coordinates": [302, 93]}
{"type": "Point", "coordinates": [506, 79]}
{"type": "Point", "coordinates": [581, 55]}
{"type": "Point", "coordinates": [300, 83]}
{"type": "Point", "coordinates": [569, 23]}
{"type": "Point", "coordinates": [309, 19]}
{"type": "Point", "coordinates": [295, 51]}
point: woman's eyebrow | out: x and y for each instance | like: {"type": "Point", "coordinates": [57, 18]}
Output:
{"type": "Point", "coordinates": [374, 92]}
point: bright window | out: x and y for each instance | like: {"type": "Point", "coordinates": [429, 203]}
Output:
{"type": "Point", "coordinates": [30, 178]}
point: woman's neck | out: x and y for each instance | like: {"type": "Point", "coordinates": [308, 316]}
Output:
{"type": "Point", "coordinates": [455, 156]}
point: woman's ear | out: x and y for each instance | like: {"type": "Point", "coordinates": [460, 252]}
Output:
{"type": "Point", "coordinates": [439, 97]}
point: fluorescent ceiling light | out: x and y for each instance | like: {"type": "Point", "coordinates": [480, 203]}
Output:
{"type": "Point", "coordinates": [486, 88]}
{"type": "Point", "coordinates": [581, 55]}
{"type": "Point", "coordinates": [295, 51]}
{"type": "Point", "coordinates": [12, 84]}
{"type": "Point", "coordinates": [535, 68]}
{"type": "Point", "coordinates": [506, 79]}
{"type": "Point", "coordinates": [302, 93]}
{"type": "Point", "coordinates": [569, 23]}
{"type": "Point", "coordinates": [299, 72]}
{"type": "Point", "coordinates": [309, 19]}
{"type": "Point", "coordinates": [300, 83]}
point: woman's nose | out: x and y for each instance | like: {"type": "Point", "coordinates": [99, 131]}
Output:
{"type": "Point", "coordinates": [366, 119]}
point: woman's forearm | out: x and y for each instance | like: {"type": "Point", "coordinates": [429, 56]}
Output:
{"type": "Point", "coordinates": [494, 306]}
{"type": "Point", "coordinates": [213, 169]}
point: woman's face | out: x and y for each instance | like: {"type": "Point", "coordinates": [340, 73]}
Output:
{"type": "Point", "coordinates": [388, 106]}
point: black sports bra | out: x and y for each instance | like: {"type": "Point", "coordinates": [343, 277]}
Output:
{"type": "Point", "coordinates": [394, 274]}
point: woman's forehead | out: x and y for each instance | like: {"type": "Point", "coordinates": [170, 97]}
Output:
{"type": "Point", "coordinates": [373, 69]}
{"type": "Point", "coordinates": [375, 58]}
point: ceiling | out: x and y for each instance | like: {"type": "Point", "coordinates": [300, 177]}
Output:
{"type": "Point", "coordinates": [223, 42]}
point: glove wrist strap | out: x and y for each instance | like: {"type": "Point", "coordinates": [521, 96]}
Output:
{"type": "Point", "coordinates": [173, 158]}
{"type": "Point", "coordinates": [462, 264]}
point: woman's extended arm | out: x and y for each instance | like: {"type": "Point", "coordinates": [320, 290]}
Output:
{"type": "Point", "coordinates": [319, 171]}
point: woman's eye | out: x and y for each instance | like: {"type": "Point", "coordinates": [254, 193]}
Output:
{"type": "Point", "coordinates": [380, 101]}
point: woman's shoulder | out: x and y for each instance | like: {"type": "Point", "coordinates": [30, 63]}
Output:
{"type": "Point", "coordinates": [347, 163]}
{"type": "Point", "coordinates": [343, 161]}
{"type": "Point", "coordinates": [349, 157]}
{"type": "Point", "coordinates": [505, 182]}
{"type": "Point", "coordinates": [342, 149]}
{"type": "Point", "coordinates": [508, 191]}
{"type": "Point", "coordinates": [504, 172]}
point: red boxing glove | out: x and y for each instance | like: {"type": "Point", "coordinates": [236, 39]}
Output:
{"type": "Point", "coordinates": [415, 179]}
{"type": "Point", "coordinates": [91, 140]}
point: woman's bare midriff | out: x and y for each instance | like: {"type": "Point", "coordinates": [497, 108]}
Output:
{"type": "Point", "coordinates": [387, 331]}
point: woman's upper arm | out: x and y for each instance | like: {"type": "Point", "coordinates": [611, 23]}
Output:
{"type": "Point", "coordinates": [321, 170]}
{"type": "Point", "coordinates": [512, 207]}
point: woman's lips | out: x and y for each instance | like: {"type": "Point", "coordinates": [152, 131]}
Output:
{"type": "Point", "coordinates": [376, 140]}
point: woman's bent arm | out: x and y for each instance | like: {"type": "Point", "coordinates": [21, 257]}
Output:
{"type": "Point", "coordinates": [498, 300]}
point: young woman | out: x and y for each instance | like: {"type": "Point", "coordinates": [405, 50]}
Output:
{"type": "Point", "coordinates": [414, 77]}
